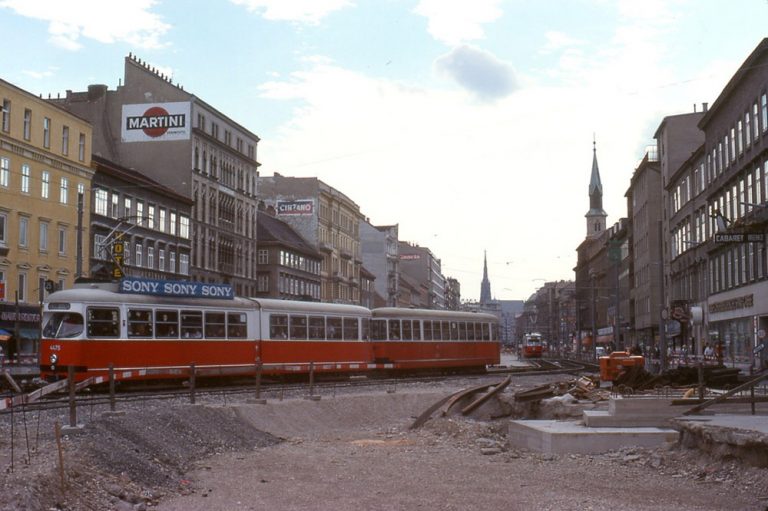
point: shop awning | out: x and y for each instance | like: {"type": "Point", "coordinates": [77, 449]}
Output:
{"type": "Point", "coordinates": [4, 335]}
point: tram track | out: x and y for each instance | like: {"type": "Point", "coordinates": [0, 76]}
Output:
{"type": "Point", "coordinates": [279, 390]}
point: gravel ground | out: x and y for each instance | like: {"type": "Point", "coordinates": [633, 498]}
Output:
{"type": "Point", "coordinates": [344, 452]}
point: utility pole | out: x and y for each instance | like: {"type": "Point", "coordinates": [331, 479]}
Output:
{"type": "Point", "coordinates": [79, 268]}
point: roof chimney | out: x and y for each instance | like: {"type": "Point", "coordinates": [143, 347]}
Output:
{"type": "Point", "coordinates": [704, 106]}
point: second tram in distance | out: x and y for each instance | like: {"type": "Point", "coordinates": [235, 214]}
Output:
{"type": "Point", "coordinates": [532, 346]}
{"type": "Point", "coordinates": [147, 329]}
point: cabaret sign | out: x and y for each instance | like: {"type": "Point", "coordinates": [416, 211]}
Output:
{"type": "Point", "coordinates": [295, 207]}
{"type": "Point", "coordinates": [150, 122]}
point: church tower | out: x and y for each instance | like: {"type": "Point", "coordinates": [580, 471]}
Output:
{"type": "Point", "coordinates": [485, 286]}
{"type": "Point", "coordinates": [596, 215]}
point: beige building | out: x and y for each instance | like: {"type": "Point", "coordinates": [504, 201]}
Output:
{"type": "Point", "coordinates": [45, 158]}
{"type": "Point", "coordinates": [328, 220]}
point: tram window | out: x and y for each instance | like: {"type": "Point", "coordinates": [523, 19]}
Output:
{"type": "Point", "coordinates": [470, 331]}
{"type": "Point", "coordinates": [366, 326]}
{"type": "Point", "coordinates": [406, 331]}
{"type": "Point", "coordinates": [62, 325]}
{"type": "Point", "coordinates": [299, 328]}
{"type": "Point", "coordinates": [446, 333]}
{"type": "Point", "coordinates": [416, 330]}
{"type": "Point", "coordinates": [140, 323]}
{"type": "Point", "coordinates": [192, 324]}
{"type": "Point", "coordinates": [351, 329]}
{"type": "Point", "coordinates": [462, 330]}
{"type": "Point", "coordinates": [486, 336]}
{"type": "Point", "coordinates": [167, 324]}
{"type": "Point", "coordinates": [103, 322]}
{"type": "Point", "coordinates": [334, 329]}
{"type": "Point", "coordinates": [454, 331]}
{"type": "Point", "coordinates": [215, 325]}
{"type": "Point", "coordinates": [237, 325]}
{"type": "Point", "coordinates": [379, 329]}
{"type": "Point", "coordinates": [394, 329]}
{"type": "Point", "coordinates": [317, 328]}
{"type": "Point", "coordinates": [427, 330]}
{"type": "Point", "coordinates": [278, 326]}
{"type": "Point", "coordinates": [494, 332]}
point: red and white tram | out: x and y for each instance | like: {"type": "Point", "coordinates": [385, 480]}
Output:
{"type": "Point", "coordinates": [147, 329]}
{"type": "Point", "coordinates": [532, 346]}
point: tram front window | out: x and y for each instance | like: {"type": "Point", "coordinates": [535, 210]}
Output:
{"type": "Point", "coordinates": [63, 325]}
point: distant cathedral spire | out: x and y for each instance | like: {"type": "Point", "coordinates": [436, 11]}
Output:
{"type": "Point", "coordinates": [485, 286]}
{"type": "Point", "coordinates": [596, 215]}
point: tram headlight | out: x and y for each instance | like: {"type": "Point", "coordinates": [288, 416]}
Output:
{"type": "Point", "coordinates": [53, 358]}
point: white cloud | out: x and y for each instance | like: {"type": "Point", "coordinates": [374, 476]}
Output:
{"type": "Point", "coordinates": [303, 11]}
{"type": "Point", "coordinates": [556, 41]}
{"type": "Point", "coordinates": [503, 170]}
{"type": "Point", "coordinates": [105, 21]}
{"type": "Point", "coordinates": [478, 71]}
{"type": "Point", "coordinates": [456, 21]}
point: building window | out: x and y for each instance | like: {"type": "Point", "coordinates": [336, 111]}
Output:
{"type": "Point", "coordinates": [150, 257]}
{"type": "Point", "coordinates": [739, 138]}
{"type": "Point", "coordinates": [173, 224]}
{"type": "Point", "coordinates": [3, 228]}
{"type": "Point", "coordinates": [62, 240]}
{"type": "Point", "coordinates": [100, 202]}
{"type": "Point", "coordinates": [6, 115]}
{"type": "Point", "coordinates": [161, 220]}
{"type": "Point", "coordinates": [127, 208]}
{"type": "Point", "coordinates": [184, 264]}
{"type": "Point", "coordinates": [46, 184]}
{"type": "Point", "coordinates": [5, 172]}
{"type": "Point", "coordinates": [81, 147]}
{"type": "Point", "coordinates": [138, 254]}
{"type": "Point", "coordinates": [43, 237]}
{"type": "Point", "coordinates": [27, 123]}
{"type": "Point", "coordinates": [23, 231]}
{"type": "Point", "coordinates": [747, 129]}
{"type": "Point", "coordinates": [151, 217]}
{"type": "Point", "coordinates": [263, 256]}
{"type": "Point", "coordinates": [25, 178]}
{"type": "Point", "coordinates": [22, 292]}
{"type": "Point", "coordinates": [755, 121]}
{"type": "Point", "coordinates": [46, 132]}
{"type": "Point", "coordinates": [764, 103]}
{"type": "Point", "coordinates": [172, 261]}
{"type": "Point", "coordinates": [161, 259]}
{"type": "Point", "coordinates": [114, 210]}
{"type": "Point", "coordinates": [183, 227]}
{"type": "Point", "coordinates": [65, 140]}
{"type": "Point", "coordinates": [63, 188]}
{"type": "Point", "coordinates": [139, 212]}
{"type": "Point", "coordinates": [99, 247]}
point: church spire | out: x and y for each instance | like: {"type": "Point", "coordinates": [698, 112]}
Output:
{"type": "Point", "coordinates": [485, 286]}
{"type": "Point", "coordinates": [596, 215]}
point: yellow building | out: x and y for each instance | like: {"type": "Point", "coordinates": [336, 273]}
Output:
{"type": "Point", "coordinates": [45, 164]}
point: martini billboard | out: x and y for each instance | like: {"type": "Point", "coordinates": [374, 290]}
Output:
{"type": "Point", "coordinates": [156, 122]}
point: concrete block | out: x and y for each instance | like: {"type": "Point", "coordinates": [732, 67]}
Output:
{"type": "Point", "coordinates": [559, 437]}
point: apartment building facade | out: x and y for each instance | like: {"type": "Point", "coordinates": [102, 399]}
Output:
{"type": "Point", "coordinates": [329, 221]}
{"type": "Point", "coordinates": [45, 176]}
{"type": "Point", "coordinates": [150, 124]}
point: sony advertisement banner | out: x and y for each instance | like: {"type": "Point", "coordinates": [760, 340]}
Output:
{"type": "Point", "coordinates": [154, 122]}
{"type": "Point", "coordinates": [296, 207]}
{"type": "Point", "coordinates": [135, 285]}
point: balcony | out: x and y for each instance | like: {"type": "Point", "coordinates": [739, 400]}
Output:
{"type": "Point", "coordinates": [345, 254]}
{"type": "Point", "coordinates": [325, 247]}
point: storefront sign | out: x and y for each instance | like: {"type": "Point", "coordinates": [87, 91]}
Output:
{"type": "Point", "coordinates": [739, 237]}
{"type": "Point", "coordinates": [740, 302]}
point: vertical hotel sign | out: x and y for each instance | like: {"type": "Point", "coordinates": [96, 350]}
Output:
{"type": "Point", "coordinates": [155, 122]}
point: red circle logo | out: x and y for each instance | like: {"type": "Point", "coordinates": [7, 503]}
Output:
{"type": "Point", "coordinates": [156, 112]}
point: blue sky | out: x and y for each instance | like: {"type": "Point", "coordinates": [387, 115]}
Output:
{"type": "Point", "coordinates": [469, 124]}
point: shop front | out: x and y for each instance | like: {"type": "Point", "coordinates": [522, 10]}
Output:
{"type": "Point", "coordinates": [736, 325]}
{"type": "Point", "coordinates": [20, 326]}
